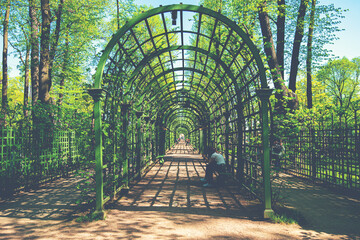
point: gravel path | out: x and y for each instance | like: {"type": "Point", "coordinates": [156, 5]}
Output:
{"type": "Point", "coordinates": [168, 203]}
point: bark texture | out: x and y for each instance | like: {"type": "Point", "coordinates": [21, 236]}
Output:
{"type": "Point", "coordinates": [26, 82]}
{"type": "Point", "coordinates": [4, 93]}
{"type": "Point", "coordinates": [299, 33]}
{"type": "Point", "coordinates": [34, 42]}
{"type": "Point", "coordinates": [283, 92]}
{"type": "Point", "coordinates": [280, 44]}
{"type": "Point", "coordinates": [56, 37]}
{"type": "Point", "coordinates": [309, 56]}
{"type": "Point", "coordinates": [45, 81]}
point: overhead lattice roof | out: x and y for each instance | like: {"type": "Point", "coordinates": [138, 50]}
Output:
{"type": "Point", "coordinates": [183, 63]}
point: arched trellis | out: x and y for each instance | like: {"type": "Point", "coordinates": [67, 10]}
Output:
{"type": "Point", "coordinates": [210, 73]}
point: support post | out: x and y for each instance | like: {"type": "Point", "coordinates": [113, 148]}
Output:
{"type": "Point", "coordinates": [239, 155]}
{"type": "Point", "coordinates": [138, 144]}
{"type": "Point", "coordinates": [264, 95]}
{"type": "Point", "coordinates": [201, 141]}
{"type": "Point", "coordinates": [153, 139]}
{"type": "Point", "coordinates": [147, 136]}
{"type": "Point", "coordinates": [162, 140]}
{"type": "Point", "coordinates": [227, 130]}
{"type": "Point", "coordinates": [125, 160]}
{"type": "Point", "coordinates": [97, 94]}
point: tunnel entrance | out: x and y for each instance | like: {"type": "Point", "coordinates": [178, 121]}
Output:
{"type": "Point", "coordinates": [180, 70]}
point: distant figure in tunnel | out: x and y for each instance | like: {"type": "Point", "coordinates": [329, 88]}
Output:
{"type": "Point", "coordinates": [216, 164]}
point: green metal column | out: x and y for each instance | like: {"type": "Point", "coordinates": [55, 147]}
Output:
{"type": "Point", "coordinates": [239, 156]}
{"type": "Point", "coordinates": [264, 95]}
{"type": "Point", "coordinates": [97, 94]}
{"type": "Point", "coordinates": [125, 160]}
{"type": "Point", "coordinates": [227, 127]}
{"type": "Point", "coordinates": [201, 141]}
{"type": "Point", "coordinates": [169, 139]}
{"type": "Point", "coordinates": [162, 140]}
{"type": "Point", "coordinates": [153, 140]}
{"type": "Point", "coordinates": [147, 136]}
{"type": "Point", "coordinates": [138, 144]}
{"type": "Point", "coordinates": [205, 137]}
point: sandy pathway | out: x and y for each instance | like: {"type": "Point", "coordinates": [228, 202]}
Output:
{"type": "Point", "coordinates": [168, 203]}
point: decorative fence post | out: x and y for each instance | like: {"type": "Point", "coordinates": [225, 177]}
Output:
{"type": "Point", "coordinates": [227, 130]}
{"type": "Point", "coordinates": [201, 141]}
{"type": "Point", "coordinates": [239, 150]}
{"type": "Point", "coordinates": [125, 160]}
{"type": "Point", "coordinates": [153, 139]}
{"type": "Point", "coordinates": [147, 135]}
{"type": "Point", "coordinates": [264, 95]}
{"type": "Point", "coordinates": [138, 144]}
{"type": "Point", "coordinates": [97, 94]}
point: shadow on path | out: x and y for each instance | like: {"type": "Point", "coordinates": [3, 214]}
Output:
{"type": "Point", "coordinates": [171, 203]}
{"type": "Point", "coordinates": [175, 186]}
{"type": "Point", "coordinates": [323, 209]}
{"type": "Point", "coordinates": [51, 201]}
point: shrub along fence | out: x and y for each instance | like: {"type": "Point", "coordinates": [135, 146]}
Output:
{"type": "Point", "coordinates": [26, 160]}
{"type": "Point", "coordinates": [326, 150]}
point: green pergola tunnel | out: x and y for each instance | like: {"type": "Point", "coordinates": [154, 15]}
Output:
{"type": "Point", "coordinates": [162, 75]}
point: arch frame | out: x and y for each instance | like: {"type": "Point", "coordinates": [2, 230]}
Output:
{"type": "Point", "coordinates": [97, 93]}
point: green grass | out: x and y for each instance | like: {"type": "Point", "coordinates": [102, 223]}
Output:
{"type": "Point", "coordinates": [90, 217]}
{"type": "Point", "coordinates": [285, 215]}
{"type": "Point", "coordinates": [280, 218]}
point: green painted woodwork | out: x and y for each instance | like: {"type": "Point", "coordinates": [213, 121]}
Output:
{"type": "Point", "coordinates": [97, 94]}
{"type": "Point", "coordinates": [198, 97]}
{"type": "Point", "coordinates": [264, 95]}
{"type": "Point", "coordinates": [125, 160]}
{"type": "Point", "coordinates": [21, 161]}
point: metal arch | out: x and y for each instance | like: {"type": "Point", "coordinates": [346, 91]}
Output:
{"type": "Point", "coordinates": [184, 113]}
{"type": "Point", "coordinates": [181, 125]}
{"type": "Point", "coordinates": [185, 47]}
{"type": "Point", "coordinates": [184, 124]}
{"type": "Point", "coordinates": [153, 80]}
{"type": "Point", "coordinates": [254, 51]}
{"type": "Point", "coordinates": [176, 111]}
{"type": "Point", "coordinates": [155, 54]}
{"type": "Point", "coordinates": [170, 111]}
{"type": "Point", "coordinates": [195, 101]}
{"type": "Point", "coordinates": [162, 115]}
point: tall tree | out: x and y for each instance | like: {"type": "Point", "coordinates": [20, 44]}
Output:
{"type": "Point", "coordinates": [34, 43]}
{"type": "Point", "coordinates": [280, 43]}
{"type": "Point", "coordinates": [55, 38]}
{"type": "Point", "coordinates": [283, 92]}
{"type": "Point", "coordinates": [45, 81]}
{"type": "Point", "coordinates": [26, 81]}
{"type": "Point", "coordinates": [4, 103]}
{"type": "Point", "coordinates": [309, 56]}
{"type": "Point", "coordinates": [64, 70]}
{"type": "Point", "coordinates": [341, 81]}
{"type": "Point", "coordinates": [299, 33]}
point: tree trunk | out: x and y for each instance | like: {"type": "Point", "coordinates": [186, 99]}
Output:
{"type": "Point", "coordinates": [34, 42]}
{"type": "Point", "coordinates": [56, 38]}
{"type": "Point", "coordinates": [45, 81]}
{"type": "Point", "coordinates": [278, 81]}
{"type": "Point", "coordinates": [4, 102]}
{"type": "Point", "coordinates": [280, 43]}
{"type": "Point", "coordinates": [299, 33]}
{"type": "Point", "coordinates": [63, 71]}
{"type": "Point", "coordinates": [309, 56]}
{"type": "Point", "coordinates": [26, 82]}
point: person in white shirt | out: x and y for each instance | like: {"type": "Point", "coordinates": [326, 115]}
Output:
{"type": "Point", "coordinates": [216, 164]}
